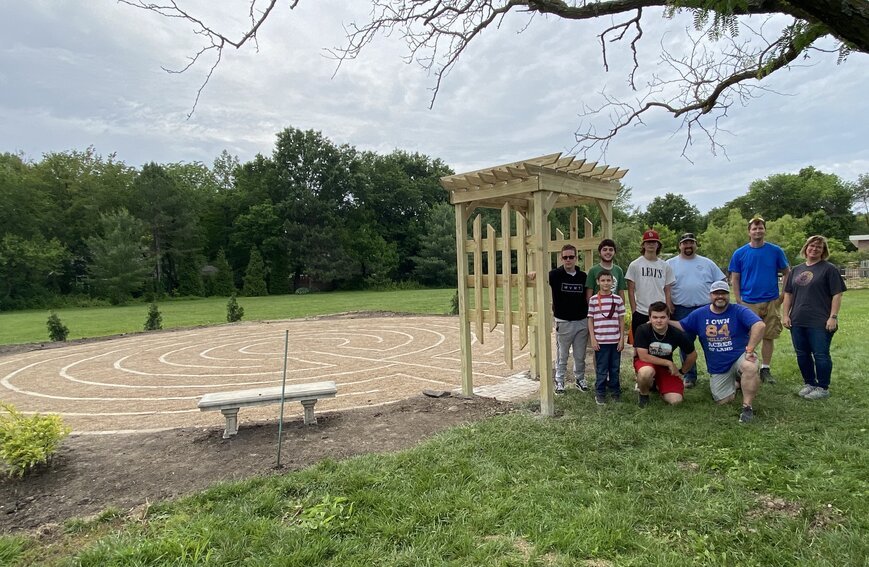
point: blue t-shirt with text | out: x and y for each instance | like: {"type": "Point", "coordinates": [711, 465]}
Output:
{"type": "Point", "coordinates": [724, 336]}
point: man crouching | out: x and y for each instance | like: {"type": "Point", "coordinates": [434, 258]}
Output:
{"type": "Point", "coordinates": [729, 334]}
{"type": "Point", "coordinates": [654, 343]}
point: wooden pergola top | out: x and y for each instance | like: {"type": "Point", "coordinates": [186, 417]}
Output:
{"type": "Point", "coordinates": [491, 177]}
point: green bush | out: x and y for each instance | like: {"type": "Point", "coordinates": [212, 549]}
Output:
{"type": "Point", "coordinates": [154, 322]}
{"type": "Point", "coordinates": [57, 331]}
{"type": "Point", "coordinates": [234, 312]}
{"type": "Point", "coordinates": [28, 441]}
{"type": "Point", "coordinates": [302, 290]}
{"type": "Point", "coordinates": [454, 304]}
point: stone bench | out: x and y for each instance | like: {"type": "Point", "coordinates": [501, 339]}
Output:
{"type": "Point", "coordinates": [229, 402]}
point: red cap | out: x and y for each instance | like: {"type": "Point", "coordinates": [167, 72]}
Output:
{"type": "Point", "coordinates": [651, 235]}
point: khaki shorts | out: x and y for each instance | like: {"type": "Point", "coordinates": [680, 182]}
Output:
{"type": "Point", "coordinates": [770, 312]}
{"type": "Point", "coordinates": [724, 385]}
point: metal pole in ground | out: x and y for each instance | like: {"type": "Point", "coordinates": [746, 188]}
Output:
{"type": "Point", "coordinates": [283, 391]}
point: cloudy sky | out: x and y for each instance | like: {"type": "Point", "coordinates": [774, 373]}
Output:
{"type": "Point", "coordinates": [79, 73]}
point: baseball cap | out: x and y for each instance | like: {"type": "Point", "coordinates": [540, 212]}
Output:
{"type": "Point", "coordinates": [719, 286]}
{"type": "Point", "coordinates": [687, 236]}
{"type": "Point", "coordinates": [651, 235]}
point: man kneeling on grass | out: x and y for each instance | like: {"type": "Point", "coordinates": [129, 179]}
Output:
{"type": "Point", "coordinates": [729, 334]}
{"type": "Point", "coordinates": [654, 343]}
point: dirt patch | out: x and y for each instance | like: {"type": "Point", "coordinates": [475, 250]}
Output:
{"type": "Point", "coordinates": [93, 472]}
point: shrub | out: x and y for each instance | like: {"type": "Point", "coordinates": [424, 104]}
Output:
{"type": "Point", "coordinates": [234, 312]}
{"type": "Point", "coordinates": [454, 304]}
{"type": "Point", "coordinates": [28, 441]}
{"type": "Point", "coordinates": [154, 322]}
{"type": "Point", "coordinates": [302, 290]}
{"type": "Point", "coordinates": [57, 331]}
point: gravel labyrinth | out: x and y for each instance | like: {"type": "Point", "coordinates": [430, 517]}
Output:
{"type": "Point", "coordinates": [153, 381]}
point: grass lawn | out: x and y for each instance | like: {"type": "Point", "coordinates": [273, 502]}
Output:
{"type": "Point", "coordinates": [29, 326]}
{"type": "Point", "coordinates": [595, 486]}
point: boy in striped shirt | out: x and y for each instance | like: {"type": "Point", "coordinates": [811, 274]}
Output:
{"type": "Point", "coordinates": [606, 323]}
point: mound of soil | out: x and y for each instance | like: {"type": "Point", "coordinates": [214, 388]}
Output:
{"type": "Point", "coordinates": [93, 472]}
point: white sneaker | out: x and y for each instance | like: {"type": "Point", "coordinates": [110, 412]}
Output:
{"type": "Point", "coordinates": [805, 390]}
{"type": "Point", "coordinates": [818, 394]}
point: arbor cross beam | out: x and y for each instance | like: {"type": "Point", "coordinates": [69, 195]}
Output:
{"type": "Point", "coordinates": [525, 192]}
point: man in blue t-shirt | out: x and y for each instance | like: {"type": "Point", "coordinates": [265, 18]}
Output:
{"type": "Point", "coordinates": [754, 270]}
{"type": "Point", "coordinates": [729, 334]}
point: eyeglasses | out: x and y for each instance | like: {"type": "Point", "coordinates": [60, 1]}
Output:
{"type": "Point", "coordinates": [568, 257]}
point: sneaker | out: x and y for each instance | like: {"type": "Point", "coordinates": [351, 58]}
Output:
{"type": "Point", "coordinates": [805, 390]}
{"type": "Point", "coordinates": [600, 399]}
{"type": "Point", "coordinates": [616, 398]}
{"type": "Point", "coordinates": [636, 387]}
{"type": "Point", "coordinates": [766, 376]}
{"type": "Point", "coordinates": [644, 400]}
{"type": "Point", "coordinates": [559, 388]}
{"type": "Point", "coordinates": [746, 415]}
{"type": "Point", "coordinates": [818, 394]}
{"type": "Point", "coordinates": [581, 384]}
{"type": "Point", "coordinates": [690, 383]}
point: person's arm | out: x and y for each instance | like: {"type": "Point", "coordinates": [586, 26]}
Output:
{"type": "Point", "coordinates": [594, 343]}
{"type": "Point", "coordinates": [786, 309]}
{"type": "Point", "coordinates": [588, 293]}
{"type": "Point", "coordinates": [621, 344]}
{"type": "Point", "coordinates": [754, 338]}
{"type": "Point", "coordinates": [688, 362]}
{"type": "Point", "coordinates": [833, 321]}
{"type": "Point", "coordinates": [668, 299]}
{"type": "Point", "coordinates": [784, 277]}
{"type": "Point", "coordinates": [631, 297]}
{"type": "Point", "coordinates": [734, 287]}
{"type": "Point", "coordinates": [677, 324]}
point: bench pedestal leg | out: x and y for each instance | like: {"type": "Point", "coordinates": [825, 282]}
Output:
{"type": "Point", "coordinates": [309, 411]}
{"type": "Point", "coordinates": [231, 415]}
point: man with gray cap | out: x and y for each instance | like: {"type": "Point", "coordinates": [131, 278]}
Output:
{"type": "Point", "coordinates": [729, 333]}
{"type": "Point", "coordinates": [694, 274]}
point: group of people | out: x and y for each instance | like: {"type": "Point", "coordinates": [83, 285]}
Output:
{"type": "Point", "coordinates": [676, 301]}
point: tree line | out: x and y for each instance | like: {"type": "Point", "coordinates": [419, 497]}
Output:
{"type": "Point", "coordinates": [78, 227]}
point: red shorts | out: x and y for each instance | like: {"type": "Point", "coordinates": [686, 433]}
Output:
{"type": "Point", "coordinates": [665, 382]}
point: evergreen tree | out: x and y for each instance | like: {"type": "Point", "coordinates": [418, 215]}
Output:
{"type": "Point", "coordinates": [154, 322]}
{"type": "Point", "coordinates": [234, 312]}
{"type": "Point", "coordinates": [223, 281]}
{"type": "Point", "coordinates": [254, 276]}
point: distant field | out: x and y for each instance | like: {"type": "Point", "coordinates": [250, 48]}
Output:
{"type": "Point", "coordinates": [17, 327]}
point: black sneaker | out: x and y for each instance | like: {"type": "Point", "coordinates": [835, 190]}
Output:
{"type": "Point", "coordinates": [644, 400]}
{"type": "Point", "coordinates": [690, 383]}
{"type": "Point", "coordinates": [559, 388]}
{"type": "Point", "coordinates": [582, 385]}
{"type": "Point", "coordinates": [766, 376]}
{"type": "Point", "coordinates": [616, 398]}
{"type": "Point", "coordinates": [600, 399]}
{"type": "Point", "coordinates": [746, 415]}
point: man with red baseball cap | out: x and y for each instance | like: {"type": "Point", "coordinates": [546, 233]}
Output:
{"type": "Point", "coordinates": [649, 280]}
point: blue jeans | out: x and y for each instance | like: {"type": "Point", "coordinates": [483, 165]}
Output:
{"type": "Point", "coordinates": [812, 346]}
{"type": "Point", "coordinates": [682, 311]}
{"type": "Point", "coordinates": [607, 362]}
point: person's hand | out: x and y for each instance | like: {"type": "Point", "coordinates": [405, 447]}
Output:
{"type": "Point", "coordinates": [786, 321]}
{"type": "Point", "coordinates": [595, 345]}
{"type": "Point", "coordinates": [621, 345]}
{"type": "Point", "coordinates": [832, 324]}
{"type": "Point", "coordinates": [674, 370]}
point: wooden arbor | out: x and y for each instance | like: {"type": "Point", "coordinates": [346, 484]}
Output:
{"type": "Point", "coordinates": [527, 190]}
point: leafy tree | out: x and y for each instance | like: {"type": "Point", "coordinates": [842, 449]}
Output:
{"type": "Point", "coordinates": [806, 193]}
{"type": "Point", "coordinates": [720, 239]}
{"type": "Point", "coordinates": [435, 262]}
{"type": "Point", "coordinates": [674, 212]}
{"type": "Point", "coordinates": [726, 59]}
{"type": "Point", "coordinates": [29, 269]}
{"type": "Point", "coordinates": [119, 266]}
{"type": "Point", "coordinates": [254, 276]}
{"type": "Point", "coordinates": [860, 191]}
{"type": "Point", "coordinates": [789, 233]}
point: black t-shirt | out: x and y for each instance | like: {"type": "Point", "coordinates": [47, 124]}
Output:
{"type": "Point", "coordinates": [568, 294]}
{"type": "Point", "coordinates": [646, 337]}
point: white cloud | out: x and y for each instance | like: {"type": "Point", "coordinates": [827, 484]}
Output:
{"type": "Point", "coordinates": [74, 74]}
